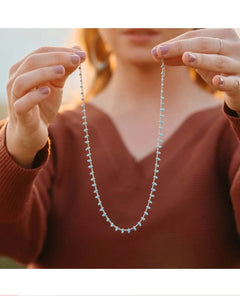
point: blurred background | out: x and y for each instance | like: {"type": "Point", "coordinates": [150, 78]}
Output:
{"type": "Point", "coordinates": [15, 44]}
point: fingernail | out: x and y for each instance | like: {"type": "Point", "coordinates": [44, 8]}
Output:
{"type": "Point", "coordinates": [164, 49]}
{"type": "Point", "coordinates": [191, 57]}
{"type": "Point", "coordinates": [154, 52]}
{"type": "Point", "coordinates": [220, 81]}
{"type": "Point", "coordinates": [81, 54]}
{"type": "Point", "coordinates": [75, 59]}
{"type": "Point", "coordinates": [58, 69]}
{"type": "Point", "coordinates": [44, 90]}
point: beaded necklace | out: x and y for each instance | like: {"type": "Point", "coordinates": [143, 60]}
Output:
{"type": "Point", "coordinates": [90, 163]}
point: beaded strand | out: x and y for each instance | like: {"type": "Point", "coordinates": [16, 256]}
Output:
{"type": "Point", "coordinates": [90, 166]}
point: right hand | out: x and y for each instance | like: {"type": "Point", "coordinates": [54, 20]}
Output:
{"type": "Point", "coordinates": [30, 111]}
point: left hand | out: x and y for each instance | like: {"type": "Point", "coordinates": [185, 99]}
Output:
{"type": "Point", "coordinates": [215, 55]}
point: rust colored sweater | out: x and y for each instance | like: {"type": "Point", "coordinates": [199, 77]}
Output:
{"type": "Point", "coordinates": [49, 217]}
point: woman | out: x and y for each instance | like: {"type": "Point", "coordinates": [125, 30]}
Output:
{"type": "Point", "coordinates": [49, 216]}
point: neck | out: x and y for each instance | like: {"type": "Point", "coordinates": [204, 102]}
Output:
{"type": "Point", "coordinates": [132, 86]}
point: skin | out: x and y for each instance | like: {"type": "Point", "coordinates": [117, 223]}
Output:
{"type": "Point", "coordinates": [133, 89]}
{"type": "Point", "coordinates": [202, 50]}
{"type": "Point", "coordinates": [30, 111]}
{"type": "Point", "coordinates": [135, 84]}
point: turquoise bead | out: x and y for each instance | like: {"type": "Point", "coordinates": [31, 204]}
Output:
{"type": "Point", "coordinates": [154, 183]}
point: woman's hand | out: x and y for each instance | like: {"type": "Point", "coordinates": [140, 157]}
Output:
{"type": "Point", "coordinates": [215, 55]}
{"type": "Point", "coordinates": [34, 92]}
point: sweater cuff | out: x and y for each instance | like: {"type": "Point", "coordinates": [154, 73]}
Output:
{"type": "Point", "coordinates": [16, 181]}
{"type": "Point", "coordinates": [233, 118]}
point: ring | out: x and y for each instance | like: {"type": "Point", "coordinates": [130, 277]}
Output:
{"type": "Point", "coordinates": [238, 84]}
{"type": "Point", "coordinates": [15, 95]}
{"type": "Point", "coordinates": [221, 46]}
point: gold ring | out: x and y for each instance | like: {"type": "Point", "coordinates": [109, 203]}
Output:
{"type": "Point", "coordinates": [238, 84]}
{"type": "Point", "coordinates": [220, 46]}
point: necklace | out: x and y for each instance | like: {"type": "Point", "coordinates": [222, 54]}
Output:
{"type": "Point", "coordinates": [90, 163]}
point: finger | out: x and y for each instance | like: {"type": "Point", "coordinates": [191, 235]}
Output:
{"type": "Point", "coordinates": [226, 34]}
{"type": "Point", "coordinates": [32, 79]}
{"type": "Point", "coordinates": [231, 86]}
{"type": "Point", "coordinates": [69, 60]}
{"type": "Point", "coordinates": [211, 62]}
{"type": "Point", "coordinates": [199, 44]}
{"type": "Point", "coordinates": [44, 49]}
{"type": "Point", "coordinates": [31, 99]}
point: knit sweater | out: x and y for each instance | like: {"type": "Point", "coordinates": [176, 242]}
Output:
{"type": "Point", "coordinates": [49, 217]}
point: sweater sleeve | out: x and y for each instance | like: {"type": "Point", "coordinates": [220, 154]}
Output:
{"type": "Point", "coordinates": [24, 204]}
{"type": "Point", "coordinates": [233, 143]}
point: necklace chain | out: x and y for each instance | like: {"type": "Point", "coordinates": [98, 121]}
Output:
{"type": "Point", "coordinates": [90, 166]}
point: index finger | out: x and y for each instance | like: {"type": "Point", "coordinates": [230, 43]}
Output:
{"type": "Point", "coordinates": [226, 33]}
{"type": "Point", "coordinates": [43, 49]}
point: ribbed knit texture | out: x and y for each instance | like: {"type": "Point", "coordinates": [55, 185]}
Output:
{"type": "Point", "coordinates": [49, 216]}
